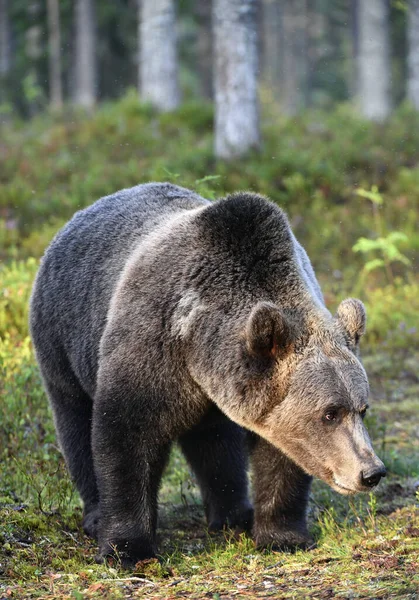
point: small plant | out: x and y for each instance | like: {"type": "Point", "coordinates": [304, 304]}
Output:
{"type": "Point", "coordinates": [32, 91]}
{"type": "Point", "coordinates": [386, 246]}
{"type": "Point", "coordinates": [372, 509]}
{"type": "Point", "coordinates": [202, 187]}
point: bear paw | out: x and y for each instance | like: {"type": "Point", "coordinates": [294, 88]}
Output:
{"type": "Point", "coordinates": [90, 523]}
{"type": "Point", "coordinates": [126, 552]}
{"type": "Point", "coordinates": [283, 540]}
{"type": "Point", "coordinates": [240, 518]}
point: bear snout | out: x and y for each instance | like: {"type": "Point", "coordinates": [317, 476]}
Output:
{"type": "Point", "coordinates": [371, 477]}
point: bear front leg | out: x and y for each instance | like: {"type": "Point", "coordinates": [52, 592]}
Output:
{"type": "Point", "coordinates": [281, 491]}
{"type": "Point", "coordinates": [216, 451]}
{"type": "Point", "coordinates": [129, 459]}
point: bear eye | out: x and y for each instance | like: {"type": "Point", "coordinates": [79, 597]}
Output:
{"type": "Point", "coordinates": [331, 415]}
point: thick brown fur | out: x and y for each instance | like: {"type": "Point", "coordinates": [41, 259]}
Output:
{"type": "Point", "coordinates": [160, 317]}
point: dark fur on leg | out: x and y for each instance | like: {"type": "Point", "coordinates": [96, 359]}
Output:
{"type": "Point", "coordinates": [129, 462]}
{"type": "Point", "coordinates": [281, 492]}
{"type": "Point", "coordinates": [72, 409]}
{"type": "Point", "coordinates": [216, 451]}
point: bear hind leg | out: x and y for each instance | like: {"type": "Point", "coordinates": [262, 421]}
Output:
{"type": "Point", "coordinates": [72, 409]}
{"type": "Point", "coordinates": [216, 452]}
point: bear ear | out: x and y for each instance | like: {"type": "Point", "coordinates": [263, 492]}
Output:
{"type": "Point", "coordinates": [268, 333]}
{"type": "Point", "coordinates": [351, 314]}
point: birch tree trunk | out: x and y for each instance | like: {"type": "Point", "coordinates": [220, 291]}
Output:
{"type": "Point", "coordinates": [354, 11]}
{"type": "Point", "coordinates": [85, 54]}
{"type": "Point", "coordinates": [158, 74]}
{"type": "Point", "coordinates": [235, 83]}
{"type": "Point", "coordinates": [55, 85]}
{"type": "Point", "coordinates": [374, 59]}
{"type": "Point", "coordinates": [413, 53]}
{"type": "Point", "coordinates": [5, 52]}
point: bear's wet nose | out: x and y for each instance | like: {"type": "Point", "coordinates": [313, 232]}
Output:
{"type": "Point", "coordinates": [372, 477]}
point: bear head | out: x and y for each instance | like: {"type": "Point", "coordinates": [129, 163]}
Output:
{"type": "Point", "coordinates": [266, 350]}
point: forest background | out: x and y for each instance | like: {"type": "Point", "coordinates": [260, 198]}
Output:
{"type": "Point", "coordinates": [314, 103]}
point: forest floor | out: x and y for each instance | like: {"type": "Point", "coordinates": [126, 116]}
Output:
{"type": "Point", "coordinates": [367, 546]}
{"type": "Point", "coordinates": [323, 169]}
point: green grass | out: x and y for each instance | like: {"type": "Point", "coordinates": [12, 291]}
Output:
{"type": "Point", "coordinates": [368, 546]}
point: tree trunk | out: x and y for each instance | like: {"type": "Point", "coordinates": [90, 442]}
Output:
{"type": "Point", "coordinates": [85, 54]}
{"type": "Point", "coordinates": [374, 59]}
{"type": "Point", "coordinates": [413, 53]}
{"type": "Point", "coordinates": [5, 53]}
{"type": "Point", "coordinates": [295, 56]}
{"type": "Point", "coordinates": [271, 45]}
{"type": "Point", "coordinates": [158, 58]}
{"type": "Point", "coordinates": [55, 86]}
{"type": "Point", "coordinates": [235, 83]}
{"type": "Point", "coordinates": [203, 10]}
{"type": "Point", "coordinates": [354, 83]}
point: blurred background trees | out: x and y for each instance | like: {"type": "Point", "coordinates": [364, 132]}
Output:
{"type": "Point", "coordinates": [55, 84]}
{"type": "Point", "coordinates": [413, 53]}
{"type": "Point", "coordinates": [235, 76]}
{"type": "Point", "coordinates": [374, 59]}
{"type": "Point", "coordinates": [158, 73]}
{"type": "Point", "coordinates": [312, 52]}
{"type": "Point", "coordinates": [298, 53]}
{"type": "Point", "coordinates": [85, 73]}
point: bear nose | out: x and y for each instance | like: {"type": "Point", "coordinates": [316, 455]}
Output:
{"type": "Point", "coordinates": [372, 477]}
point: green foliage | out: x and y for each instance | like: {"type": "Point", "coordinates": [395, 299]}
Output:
{"type": "Point", "coordinates": [392, 303]}
{"type": "Point", "coordinates": [393, 314]}
{"type": "Point", "coordinates": [373, 195]}
{"type": "Point", "coordinates": [385, 246]}
{"type": "Point", "coordinates": [15, 288]}
{"type": "Point", "coordinates": [31, 90]}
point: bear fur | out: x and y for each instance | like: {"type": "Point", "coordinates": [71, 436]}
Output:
{"type": "Point", "coordinates": [158, 316]}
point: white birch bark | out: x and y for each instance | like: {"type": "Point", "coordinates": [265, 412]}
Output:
{"type": "Point", "coordinates": [374, 68]}
{"type": "Point", "coordinates": [5, 52]}
{"type": "Point", "coordinates": [413, 52]}
{"type": "Point", "coordinates": [158, 72]}
{"type": "Point", "coordinates": [235, 72]}
{"type": "Point", "coordinates": [85, 54]}
{"type": "Point", "coordinates": [55, 85]}
{"type": "Point", "coordinates": [354, 83]}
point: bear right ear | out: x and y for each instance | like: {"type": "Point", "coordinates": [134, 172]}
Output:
{"type": "Point", "coordinates": [268, 333]}
{"type": "Point", "coordinates": [351, 314]}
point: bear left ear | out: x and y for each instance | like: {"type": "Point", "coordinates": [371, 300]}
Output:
{"type": "Point", "coordinates": [351, 314]}
{"type": "Point", "coordinates": [268, 332]}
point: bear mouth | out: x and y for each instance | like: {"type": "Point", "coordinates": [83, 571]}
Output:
{"type": "Point", "coordinates": [342, 488]}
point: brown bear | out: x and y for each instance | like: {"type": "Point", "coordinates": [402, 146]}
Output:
{"type": "Point", "coordinates": [158, 316]}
